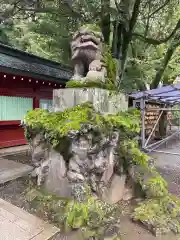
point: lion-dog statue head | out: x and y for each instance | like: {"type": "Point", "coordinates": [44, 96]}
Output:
{"type": "Point", "coordinates": [86, 47]}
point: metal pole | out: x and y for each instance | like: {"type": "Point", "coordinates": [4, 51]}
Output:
{"type": "Point", "coordinates": [153, 128]}
{"type": "Point", "coordinates": [166, 152]}
{"type": "Point", "coordinates": [157, 144]}
{"type": "Point", "coordinates": [142, 106]}
{"type": "Point", "coordinates": [178, 116]}
{"type": "Point", "coordinates": [162, 109]}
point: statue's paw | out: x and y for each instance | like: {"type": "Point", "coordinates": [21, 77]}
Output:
{"type": "Point", "coordinates": [76, 77]}
{"type": "Point", "coordinates": [94, 68]}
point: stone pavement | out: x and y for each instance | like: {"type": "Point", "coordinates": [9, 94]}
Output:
{"type": "Point", "coordinates": [10, 170]}
{"type": "Point", "coordinates": [12, 150]}
{"type": "Point", "coordinates": [16, 224]}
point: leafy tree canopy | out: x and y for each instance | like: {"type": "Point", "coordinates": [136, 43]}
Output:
{"type": "Point", "coordinates": [144, 35]}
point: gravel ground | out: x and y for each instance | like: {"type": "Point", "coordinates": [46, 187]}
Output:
{"type": "Point", "coordinates": [168, 165]}
{"type": "Point", "coordinates": [13, 193]}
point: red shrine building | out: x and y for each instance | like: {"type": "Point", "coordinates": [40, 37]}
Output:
{"type": "Point", "coordinates": [26, 82]}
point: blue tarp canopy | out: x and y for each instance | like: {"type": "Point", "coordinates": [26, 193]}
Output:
{"type": "Point", "coordinates": [167, 94]}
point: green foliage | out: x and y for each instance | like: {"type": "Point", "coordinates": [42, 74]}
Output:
{"type": "Point", "coordinates": [127, 122]}
{"type": "Point", "coordinates": [90, 84]}
{"type": "Point", "coordinates": [161, 214]}
{"type": "Point", "coordinates": [91, 216]}
{"type": "Point", "coordinates": [160, 209]}
{"type": "Point", "coordinates": [93, 27]}
{"type": "Point", "coordinates": [110, 82]}
{"type": "Point", "coordinates": [56, 126]}
{"type": "Point", "coordinates": [111, 66]}
{"type": "Point", "coordinates": [83, 214]}
{"type": "Point", "coordinates": [48, 33]}
{"type": "Point", "coordinates": [133, 154]}
{"type": "Point", "coordinates": [157, 186]}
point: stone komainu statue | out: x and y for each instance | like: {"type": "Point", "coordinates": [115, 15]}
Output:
{"type": "Point", "coordinates": [87, 48]}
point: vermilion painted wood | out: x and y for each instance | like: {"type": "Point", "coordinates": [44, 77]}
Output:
{"type": "Point", "coordinates": [6, 123]}
{"type": "Point", "coordinates": [11, 135]}
{"type": "Point", "coordinates": [13, 143]}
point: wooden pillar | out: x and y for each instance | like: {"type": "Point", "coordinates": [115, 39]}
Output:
{"type": "Point", "coordinates": [35, 98]}
{"type": "Point", "coordinates": [163, 125]}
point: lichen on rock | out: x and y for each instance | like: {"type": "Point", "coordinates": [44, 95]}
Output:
{"type": "Point", "coordinates": [85, 146]}
{"type": "Point", "coordinates": [98, 148]}
{"type": "Point", "coordinates": [159, 215]}
{"type": "Point", "coordinates": [93, 217]}
{"type": "Point", "coordinates": [89, 83]}
{"type": "Point", "coordinates": [160, 211]}
{"type": "Point", "coordinates": [80, 119]}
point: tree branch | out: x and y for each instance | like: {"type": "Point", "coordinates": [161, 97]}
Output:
{"type": "Point", "coordinates": [169, 53]}
{"type": "Point", "coordinates": [134, 15]}
{"type": "Point", "coordinates": [10, 12]}
{"type": "Point", "coordinates": [159, 8]}
{"type": "Point", "coordinates": [160, 41]}
{"type": "Point", "coordinates": [49, 10]}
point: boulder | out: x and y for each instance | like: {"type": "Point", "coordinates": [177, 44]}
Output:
{"type": "Point", "coordinates": [115, 192]}
{"type": "Point", "coordinates": [56, 181]}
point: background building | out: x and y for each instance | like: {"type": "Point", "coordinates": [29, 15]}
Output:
{"type": "Point", "coordinates": [26, 82]}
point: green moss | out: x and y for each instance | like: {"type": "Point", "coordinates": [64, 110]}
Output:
{"type": "Point", "coordinates": [158, 210]}
{"type": "Point", "coordinates": [133, 155]}
{"type": "Point", "coordinates": [161, 211]}
{"type": "Point", "coordinates": [56, 126]}
{"type": "Point", "coordinates": [91, 216]}
{"type": "Point", "coordinates": [160, 214]}
{"type": "Point", "coordinates": [157, 186]}
{"type": "Point", "coordinates": [89, 84]}
{"type": "Point", "coordinates": [147, 176]}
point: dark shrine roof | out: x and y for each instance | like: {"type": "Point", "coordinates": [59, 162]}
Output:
{"type": "Point", "coordinates": [17, 61]}
{"type": "Point", "coordinates": [167, 94]}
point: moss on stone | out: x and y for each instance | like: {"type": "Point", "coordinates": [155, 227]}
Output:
{"type": "Point", "coordinates": [160, 211]}
{"type": "Point", "coordinates": [160, 215]}
{"type": "Point", "coordinates": [110, 82]}
{"type": "Point", "coordinates": [91, 216]}
{"type": "Point", "coordinates": [157, 186]}
{"type": "Point", "coordinates": [56, 126]}
{"type": "Point", "coordinates": [90, 84]}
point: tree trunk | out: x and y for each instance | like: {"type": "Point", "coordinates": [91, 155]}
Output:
{"type": "Point", "coordinates": [117, 40]}
{"type": "Point", "coordinates": [127, 35]}
{"type": "Point", "coordinates": [163, 125]}
{"type": "Point", "coordinates": [169, 53]}
{"type": "Point", "coordinates": [105, 20]}
{"type": "Point", "coordinates": [161, 70]}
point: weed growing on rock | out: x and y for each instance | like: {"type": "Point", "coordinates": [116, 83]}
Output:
{"type": "Point", "coordinates": [93, 217]}
{"type": "Point", "coordinates": [56, 126]}
{"type": "Point", "coordinates": [160, 211]}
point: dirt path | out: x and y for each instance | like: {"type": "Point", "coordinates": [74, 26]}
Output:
{"type": "Point", "coordinates": [168, 165]}
{"type": "Point", "coordinates": [13, 192]}
{"type": "Point", "coordinates": [132, 231]}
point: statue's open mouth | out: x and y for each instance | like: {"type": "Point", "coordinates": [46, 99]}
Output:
{"type": "Point", "coordinates": [85, 41]}
{"type": "Point", "coordinates": [90, 38]}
